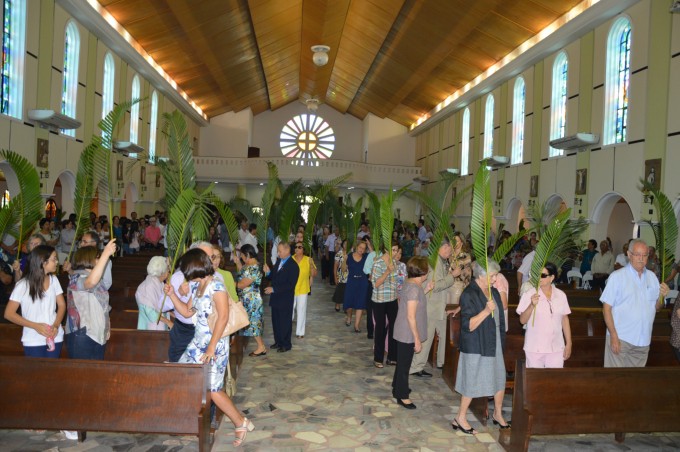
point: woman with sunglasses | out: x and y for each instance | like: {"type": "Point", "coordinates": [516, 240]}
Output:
{"type": "Point", "coordinates": [547, 342]}
{"type": "Point", "coordinates": [303, 287]}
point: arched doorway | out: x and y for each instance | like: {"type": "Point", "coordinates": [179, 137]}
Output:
{"type": "Point", "coordinates": [612, 217]}
{"type": "Point", "coordinates": [514, 213]}
{"type": "Point", "coordinates": [64, 191]}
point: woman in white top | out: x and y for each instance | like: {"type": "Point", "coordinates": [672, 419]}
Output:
{"type": "Point", "coordinates": [42, 305]}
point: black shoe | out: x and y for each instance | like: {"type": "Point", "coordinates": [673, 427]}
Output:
{"type": "Point", "coordinates": [422, 374]}
{"type": "Point", "coordinates": [408, 406]}
{"type": "Point", "coordinates": [502, 427]}
{"type": "Point", "coordinates": [391, 363]}
{"type": "Point", "coordinates": [282, 350]}
{"type": "Point", "coordinates": [274, 346]}
{"type": "Point", "coordinates": [370, 336]}
{"type": "Point", "coordinates": [456, 426]}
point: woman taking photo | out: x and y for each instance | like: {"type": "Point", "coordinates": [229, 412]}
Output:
{"type": "Point", "coordinates": [547, 342]}
{"type": "Point", "coordinates": [42, 304]}
{"type": "Point", "coordinates": [208, 293]}
{"type": "Point", "coordinates": [302, 288]}
{"type": "Point", "coordinates": [357, 285]}
{"type": "Point", "coordinates": [481, 370]}
{"type": "Point", "coordinates": [87, 324]}
{"type": "Point", "coordinates": [249, 279]}
{"type": "Point", "coordinates": [410, 327]}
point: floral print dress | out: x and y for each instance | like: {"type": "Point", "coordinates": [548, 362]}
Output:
{"type": "Point", "coordinates": [252, 300]}
{"type": "Point", "coordinates": [199, 344]}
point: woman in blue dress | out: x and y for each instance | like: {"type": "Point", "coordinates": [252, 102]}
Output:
{"type": "Point", "coordinates": [249, 279]}
{"type": "Point", "coordinates": [357, 286]}
{"type": "Point", "coordinates": [207, 294]}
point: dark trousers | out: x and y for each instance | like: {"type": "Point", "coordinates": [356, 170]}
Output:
{"type": "Point", "coordinates": [384, 312]}
{"type": "Point", "coordinates": [677, 353]}
{"type": "Point", "coordinates": [180, 336]}
{"type": "Point", "coordinates": [400, 389]}
{"type": "Point", "coordinates": [598, 283]}
{"type": "Point", "coordinates": [40, 351]}
{"type": "Point", "coordinates": [282, 324]}
{"type": "Point", "coordinates": [80, 346]}
{"type": "Point", "coordinates": [331, 273]}
{"type": "Point", "coordinates": [326, 267]}
{"type": "Point", "coordinates": [369, 310]}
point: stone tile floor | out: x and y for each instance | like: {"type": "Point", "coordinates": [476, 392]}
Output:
{"type": "Point", "coordinates": [325, 394]}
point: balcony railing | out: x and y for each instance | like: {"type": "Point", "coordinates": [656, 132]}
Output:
{"type": "Point", "coordinates": [254, 170]}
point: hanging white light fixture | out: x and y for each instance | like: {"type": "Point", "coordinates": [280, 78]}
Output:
{"type": "Point", "coordinates": [320, 57]}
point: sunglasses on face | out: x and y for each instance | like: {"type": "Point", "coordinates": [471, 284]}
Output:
{"type": "Point", "coordinates": [298, 247]}
{"type": "Point", "coordinates": [545, 275]}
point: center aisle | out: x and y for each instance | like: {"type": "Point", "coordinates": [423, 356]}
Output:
{"type": "Point", "coordinates": [326, 394]}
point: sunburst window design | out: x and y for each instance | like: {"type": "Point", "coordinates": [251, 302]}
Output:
{"type": "Point", "coordinates": [307, 139]}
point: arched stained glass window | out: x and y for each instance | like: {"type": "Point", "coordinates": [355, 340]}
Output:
{"type": "Point", "coordinates": [13, 54]}
{"type": "Point", "coordinates": [69, 92]}
{"type": "Point", "coordinates": [152, 127]}
{"type": "Point", "coordinates": [307, 138]}
{"type": "Point", "coordinates": [465, 143]}
{"type": "Point", "coordinates": [488, 126]}
{"type": "Point", "coordinates": [558, 104]}
{"type": "Point", "coordinates": [616, 82]}
{"type": "Point", "coordinates": [134, 111]}
{"type": "Point", "coordinates": [518, 102]}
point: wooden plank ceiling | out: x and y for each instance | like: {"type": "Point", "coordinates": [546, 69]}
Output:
{"type": "Point", "coordinates": [392, 58]}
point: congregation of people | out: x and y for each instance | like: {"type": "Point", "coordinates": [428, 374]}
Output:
{"type": "Point", "coordinates": [393, 295]}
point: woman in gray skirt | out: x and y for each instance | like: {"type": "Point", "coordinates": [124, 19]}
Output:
{"type": "Point", "coordinates": [481, 370]}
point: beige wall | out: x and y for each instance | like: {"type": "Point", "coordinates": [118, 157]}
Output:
{"type": "Point", "coordinates": [613, 170]}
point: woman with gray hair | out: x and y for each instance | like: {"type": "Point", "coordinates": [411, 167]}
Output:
{"type": "Point", "coordinates": [481, 370]}
{"type": "Point", "coordinates": [149, 292]}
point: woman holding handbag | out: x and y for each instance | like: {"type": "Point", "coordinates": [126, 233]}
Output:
{"type": "Point", "coordinates": [249, 280]}
{"type": "Point", "coordinates": [208, 294]}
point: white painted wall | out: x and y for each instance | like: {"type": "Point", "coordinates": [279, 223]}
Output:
{"type": "Point", "coordinates": [228, 135]}
{"type": "Point", "coordinates": [387, 142]}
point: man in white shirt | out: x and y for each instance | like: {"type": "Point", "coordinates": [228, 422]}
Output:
{"type": "Point", "coordinates": [523, 271]}
{"type": "Point", "coordinates": [243, 232]}
{"type": "Point", "coordinates": [422, 232]}
{"type": "Point", "coordinates": [363, 231]}
{"type": "Point", "coordinates": [250, 238]}
{"type": "Point", "coordinates": [602, 266]}
{"type": "Point", "coordinates": [622, 259]}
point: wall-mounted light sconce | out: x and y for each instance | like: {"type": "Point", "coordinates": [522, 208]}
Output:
{"type": "Point", "coordinates": [648, 199]}
{"type": "Point", "coordinates": [578, 201]}
{"type": "Point", "coordinates": [44, 174]}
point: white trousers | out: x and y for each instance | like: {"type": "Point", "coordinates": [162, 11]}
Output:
{"type": "Point", "coordinates": [300, 306]}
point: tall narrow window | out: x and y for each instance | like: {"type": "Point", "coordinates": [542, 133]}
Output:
{"type": "Point", "coordinates": [518, 101]}
{"type": "Point", "coordinates": [108, 85]}
{"type": "Point", "coordinates": [13, 52]}
{"type": "Point", "coordinates": [488, 126]}
{"type": "Point", "coordinates": [69, 91]}
{"type": "Point", "coordinates": [616, 82]}
{"type": "Point", "coordinates": [134, 111]}
{"type": "Point", "coordinates": [152, 127]}
{"type": "Point", "coordinates": [558, 104]}
{"type": "Point", "coordinates": [465, 143]}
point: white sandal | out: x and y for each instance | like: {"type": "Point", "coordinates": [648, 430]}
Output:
{"type": "Point", "coordinates": [247, 426]}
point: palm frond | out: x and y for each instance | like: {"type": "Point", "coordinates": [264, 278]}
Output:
{"type": "Point", "coordinates": [548, 246]}
{"type": "Point", "coordinates": [667, 233]}
{"type": "Point", "coordinates": [229, 220]}
{"type": "Point", "coordinates": [353, 219]}
{"type": "Point", "coordinates": [180, 222]}
{"type": "Point", "coordinates": [178, 171]}
{"type": "Point", "coordinates": [319, 191]}
{"type": "Point", "coordinates": [84, 192]}
{"type": "Point", "coordinates": [504, 247]}
{"type": "Point", "coordinates": [27, 205]}
{"type": "Point", "coordinates": [266, 206]}
{"type": "Point", "coordinates": [480, 222]}
{"type": "Point", "coordinates": [542, 214]}
{"type": "Point", "coordinates": [374, 217]}
{"type": "Point", "coordinates": [203, 216]}
{"type": "Point", "coordinates": [387, 216]}
{"type": "Point", "coordinates": [241, 208]}
{"type": "Point", "coordinates": [289, 204]}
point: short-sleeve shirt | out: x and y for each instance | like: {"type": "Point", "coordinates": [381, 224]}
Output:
{"type": "Point", "coordinates": [402, 331]}
{"type": "Point", "coordinates": [633, 300]}
{"type": "Point", "coordinates": [302, 287]}
{"type": "Point", "coordinates": [388, 289]}
{"type": "Point", "coordinates": [525, 268]}
{"type": "Point", "coordinates": [544, 333]}
{"type": "Point", "coordinates": [41, 310]}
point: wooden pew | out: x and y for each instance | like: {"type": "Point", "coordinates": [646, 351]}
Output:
{"type": "Point", "coordinates": [118, 396]}
{"type": "Point", "coordinates": [592, 400]}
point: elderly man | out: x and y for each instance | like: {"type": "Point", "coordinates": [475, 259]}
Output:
{"type": "Point", "coordinates": [630, 302]}
{"type": "Point", "coordinates": [436, 310]}
{"type": "Point", "coordinates": [152, 233]}
{"type": "Point", "coordinates": [283, 275]}
{"type": "Point", "coordinates": [602, 266]}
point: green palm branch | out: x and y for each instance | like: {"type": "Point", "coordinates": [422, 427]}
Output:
{"type": "Point", "coordinates": [266, 206]}
{"type": "Point", "coordinates": [320, 192]}
{"type": "Point", "coordinates": [549, 248]}
{"type": "Point", "coordinates": [480, 223]}
{"type": "Point", "coordinates": [84, 192]}
{"type": "Point", "coordinates": [666, 234]}
{"type": "Point", "coordinates": [374, 217]}
{"type": "Point", "coordinates": [504, 248]}
{"type": "Point", "coordinates": [178, 170]}
{"type": "Point", "coordinates": [387, 216]}
{"type": "Point", "coordinates": [203, 216]}
{"type": "Point", "coordinates": [352, 219]}
{"type": "Point", "coordinates": [241, 208]}
{"type": "Point", "coordinates": [26, 207]}
{"type": "Point", "coordinates": [229, 219]}
{"type": "Point", "coordinates": [103, 153]}
{"type": "Point", "coordinates": [288, 208]}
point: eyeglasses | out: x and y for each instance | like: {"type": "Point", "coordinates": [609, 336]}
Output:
{"type": "Point", "coordinates": [298, 247]}
{"type": "Point", "coordinates": [215, 257]}
{"type": "Point", "coordinates": [545, 275]}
